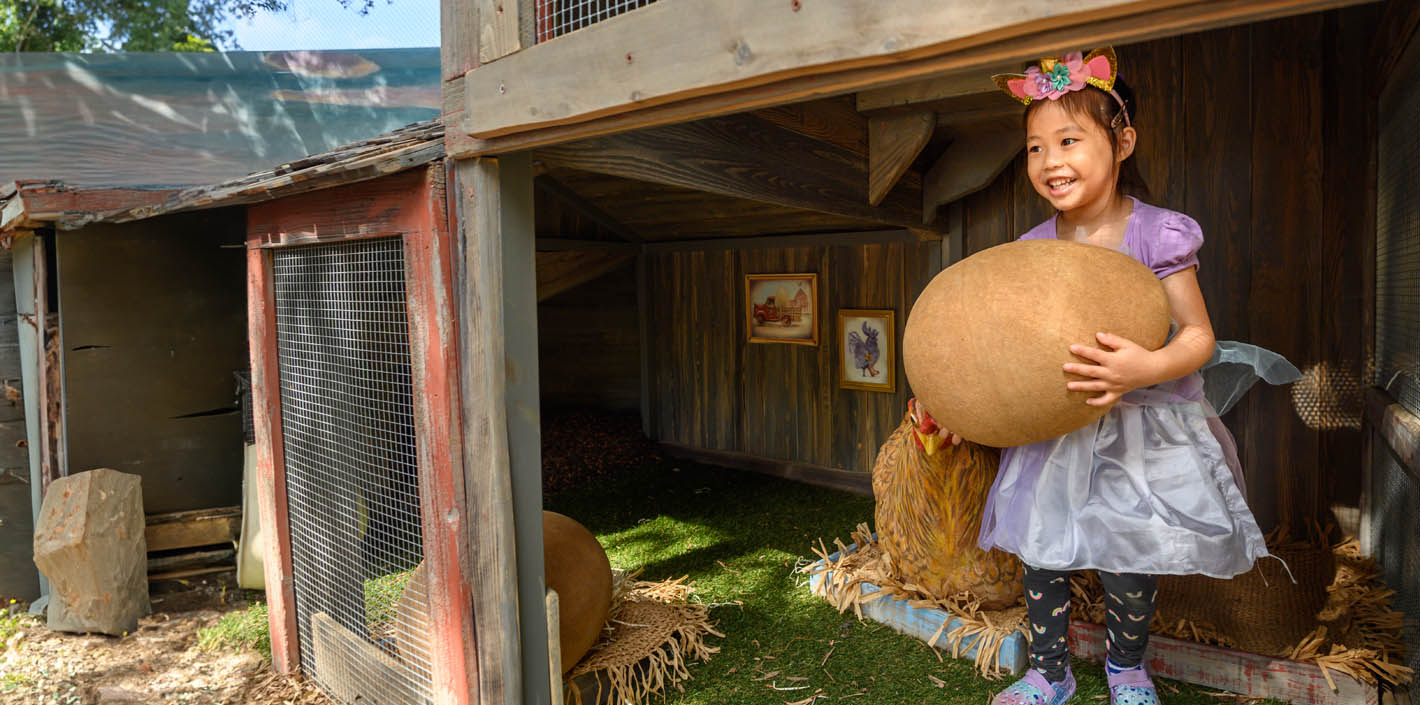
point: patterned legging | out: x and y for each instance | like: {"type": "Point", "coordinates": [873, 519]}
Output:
{"type": "Point", "coordinates": [1129, 603]}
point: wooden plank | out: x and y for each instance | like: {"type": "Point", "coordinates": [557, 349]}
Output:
{"type": "Point", "coordinates": [953, 84]}
{"type": "Point", "coordinates": [587, 209]}
{"type": "Point", "coordinates": [860, 483]}
{"type": "Point", "coordinates": [458, 23]}
{"type": "Point", "coordinates": [560, 271]}
{"type": "Point", "coordinates": [647, 373]}
{"type": "Point", "coordinates": [456, 137]}
{"type": "Point", "coordinates": [744, 157]}
{"type": "Point", "coordinates": [353, 669]}
{"type": "Point", "coordinates": [1395, 424]}
{"type": "Point", "coordinates": [894, 141]}
{"type": "Point", "coordinates": [434, 354]}
{"type": "Point", "coordinates": [834, 120]}
{"type": "Point", "coordinates": [1394, 33]}
{"type": "Point", "coordinates": [487, 481]}
{"type": "Point", "coordinates": [1234, 671]}
{"type": "Point", "coordinates": [927, 623]}
{"type": "Point", "coordinates": [988, 215]}
{"type": "Point", "coordinates": [191, 572]}
{"type": "Point", "coordinates": [50, 468]}
{"type": "Point", "coordinates": [498, 29]}
{"type": "Point", "coordinates": [1286, 201]}
{"type": "Point", "coordinates": [191, 529]}
{"type": "Point", "coordinates": [271, 463]}
{"type": "Point", "coordinates": [381, 207]}
{"type": "Point", "coordinates": [970, 164]}
{"type": "Point", "coordinates": [785, 241]}
{"type": "Point", "coordinates": [198, 558]}
{"type": "Point", "coordinates": [1348, 222]}
{"type": "Point", "coordinates": [625, 105]}
{"type": "Point", "coordinates": [557, 244]}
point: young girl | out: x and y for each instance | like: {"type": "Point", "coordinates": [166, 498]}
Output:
{"type": "Point", "coordinates": [1153, 486]}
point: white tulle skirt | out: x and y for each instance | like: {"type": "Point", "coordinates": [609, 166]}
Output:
{"type": "Point", "coordinates": [1153, 486]}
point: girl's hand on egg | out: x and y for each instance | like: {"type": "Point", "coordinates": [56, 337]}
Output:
{"type": "Point", "coordinates": [1117, 370]}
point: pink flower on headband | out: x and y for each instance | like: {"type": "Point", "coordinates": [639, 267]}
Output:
{"type": "Point", "coordinates": [1053, 78]}
{"type": "Point", "coordinates": [1064, 77]}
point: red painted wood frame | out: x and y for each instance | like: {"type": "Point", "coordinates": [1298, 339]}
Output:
{"type": "Point", "coordinates": [411, 205]}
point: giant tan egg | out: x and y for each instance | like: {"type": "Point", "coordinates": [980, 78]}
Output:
{"type": "Point", "coordinates": [985, 343]}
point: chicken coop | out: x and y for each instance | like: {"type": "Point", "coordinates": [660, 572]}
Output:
{"type": "Point", "coordinates": [861, 152]}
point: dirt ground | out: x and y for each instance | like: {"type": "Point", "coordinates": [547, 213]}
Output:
{"type": "Point", "coordinates": [159, 663]}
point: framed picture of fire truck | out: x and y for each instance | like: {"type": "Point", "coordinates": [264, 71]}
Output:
{"type": "Point", "coordinates": [782, 308]}
{"type": "Point", "coordinates": [866, 349]}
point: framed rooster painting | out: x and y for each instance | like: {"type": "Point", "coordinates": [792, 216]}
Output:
{"type": "Point", "coordinates": [782, 308]}
{"type": "Point", "coordinates": [867, 350]}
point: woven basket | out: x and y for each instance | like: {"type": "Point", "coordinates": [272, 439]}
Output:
{"type": "Point", "coordinates": [1262, 610]}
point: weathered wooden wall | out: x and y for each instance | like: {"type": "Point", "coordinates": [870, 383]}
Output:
{"type": "Point", "coordinates": [16, 525]}
{"type": "Point", "coordinates": [153, 323]}
{"type": "Point", "coordinates": [1260, 133]}
{"type": "Point", "coordinates": [589, 350]}
{"type": "Point", "coordinates": [713, 389]}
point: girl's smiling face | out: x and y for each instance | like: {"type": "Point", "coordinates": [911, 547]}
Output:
{"type": "Point", "coordinates": [1071, 160]}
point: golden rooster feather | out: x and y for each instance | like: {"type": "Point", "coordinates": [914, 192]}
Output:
{"type": "Point", "coordinates": [929, 499]}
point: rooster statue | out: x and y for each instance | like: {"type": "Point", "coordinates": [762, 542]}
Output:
{"type": "Point", "coordinates": [929, 500]}
{"type": "Point", "coordinates": [865, 350]}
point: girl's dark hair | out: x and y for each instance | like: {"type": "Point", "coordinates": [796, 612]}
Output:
{"type": "Point", "coordinates": [1101, 108]}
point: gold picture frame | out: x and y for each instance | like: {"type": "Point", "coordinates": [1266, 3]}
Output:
{"type": "Point", "coordinates": [769, 319]}
{"type": "Point", "coordinates": [859, 331]}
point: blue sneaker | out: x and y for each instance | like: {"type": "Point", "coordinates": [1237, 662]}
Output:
{"type": "Point", "coordinates": [1132, 687]}
{"type": "Point", "coordinates": [1034, 689]}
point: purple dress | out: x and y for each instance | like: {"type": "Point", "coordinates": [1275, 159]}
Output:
{"type": "Point", "coordinates": [1153, 486]}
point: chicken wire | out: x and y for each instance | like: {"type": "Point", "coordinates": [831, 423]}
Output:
{"type": "Point", "coordinates": [1394, 489]}
{"type": "Point", "coordinates": [558, 17]}
{"type": "Point", "coordinates": [347, 425]}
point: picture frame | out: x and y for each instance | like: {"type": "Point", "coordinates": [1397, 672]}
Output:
{"type": "Point", "coordinates": [768, 319]}
{"type": "Point", "coordinates": [867, 349]}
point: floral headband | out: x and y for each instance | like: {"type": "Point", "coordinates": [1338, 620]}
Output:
{"type": "Point", "coordinates": [1055, 77]}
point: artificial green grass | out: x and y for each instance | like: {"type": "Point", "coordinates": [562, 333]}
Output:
{"type": "Point", "coordinates": [738, 536]}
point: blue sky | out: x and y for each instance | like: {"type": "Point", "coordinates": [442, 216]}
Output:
{"type": "Point", "coordinates": [324, 24]}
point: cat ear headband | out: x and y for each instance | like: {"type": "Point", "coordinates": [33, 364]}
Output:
{"type": "Point", "coordinates": [1055, 77]}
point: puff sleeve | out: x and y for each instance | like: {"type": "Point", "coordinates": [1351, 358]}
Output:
{"type": "Point", "coordinates": [1174, 246]}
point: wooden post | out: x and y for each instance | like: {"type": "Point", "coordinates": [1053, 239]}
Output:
{"type": "Point", "coordinates": [433, 335]}
{"type": "Point", "coordinates": [515, 184]}
{"type": "Point", "coordinates": [270, 463]}
{"type": "Point", "coordinates": [500, 428]}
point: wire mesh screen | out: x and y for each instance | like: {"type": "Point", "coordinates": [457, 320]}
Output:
{"type": "Point", "coordinates": [1395, 512]}
{"type": "Point", "coordinates": [1398, 245]}
{"type": "Point", "coordinates": [1395, 491]}
{"type": "Point", "coordinates": [558, 17]}
{"type": "Point", "coordinates": [352, 491]}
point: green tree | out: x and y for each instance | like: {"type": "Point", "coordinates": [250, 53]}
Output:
{"type": "Point", "coordinates": [131, 25]}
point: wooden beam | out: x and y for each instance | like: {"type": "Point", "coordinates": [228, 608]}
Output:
{"type": "Point", "coordinates": [833, 120]}
{"type": "Point", "coordinates": [1234, 671]}
{"type": "Point", "coordinates": [937, 88]}
{"type": "Point", "coordinates": [560, 271]}
{"type": "Point", "coordinates": [859, 483]}
{"type": "Point", "coordinates": [559, 244]}
{"type": "Point", "coordinates": [585, 208]}
{"type": "Point", "coordinates": [772, 242]}
{"type": "Point", "coordinates": [894, 141]}
{"type": "Point", "coordinates": [271, 463]}
{"type": "Point", "coordinates": [488, 493]}
{"type": "Point", "coordinates": [204, 527]}
{"type": "Point", "coordinates": [1395, 424]}
{"type": "Point", "coordinates": [744, 157]}
{"type": "Point", "coordinates": [702, 87]}
{"type": "Point", "coordinates": [970, 164]}
{"type": "Point", "coordinates": [498, 31]}
{"type": "Point", "coordinates": [429, 253]}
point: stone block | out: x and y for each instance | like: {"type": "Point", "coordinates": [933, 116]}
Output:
{"type": "Point", "coordinates": [89, 543]}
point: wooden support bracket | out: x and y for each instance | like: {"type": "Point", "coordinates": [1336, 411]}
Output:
{"type": "Point", "coordinates": [894, 141]}
{"type": "Point", "coordinates": [969, 165]}
{"type": "Point", "coordinates": [585, 208]}
{"type": "Point", "coordinates": [1395, 424]}
{"type": "Point", "coordinates": [560, 271]}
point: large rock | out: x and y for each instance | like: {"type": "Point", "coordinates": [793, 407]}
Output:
{"type": "Point", "coordinates": [89, 543]}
